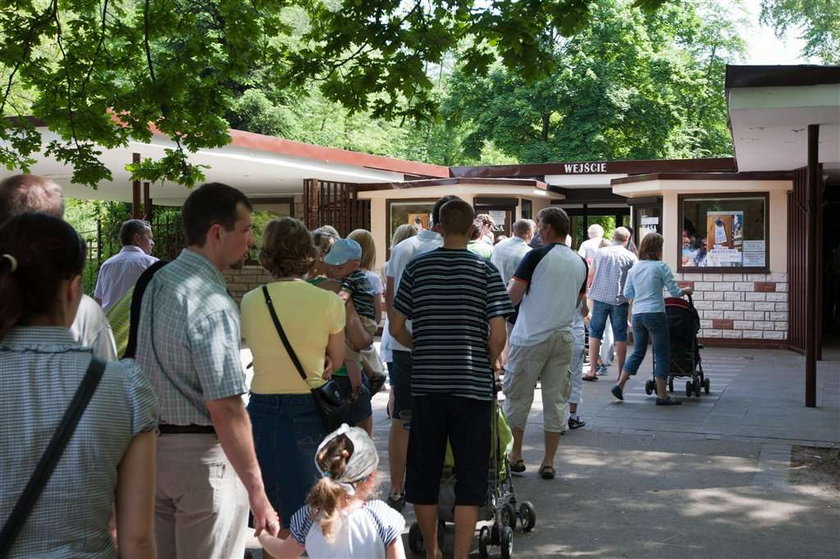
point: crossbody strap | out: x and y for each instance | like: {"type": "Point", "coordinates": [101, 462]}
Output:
{"type": "Point", "coordinates": [49, 460]}
{"type": "Point", "coordinates": [282, 335]}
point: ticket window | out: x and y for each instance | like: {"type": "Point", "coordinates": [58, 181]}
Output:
{"type": "Point", "coordinates": [502, 211]}
{"type": "Point", "coordinates": [647, 218]}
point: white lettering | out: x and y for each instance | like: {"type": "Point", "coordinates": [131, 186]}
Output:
{"type": "Point", "coordinates": [569, 167]}
{"type": "Point", "coordinates": [580, 168]}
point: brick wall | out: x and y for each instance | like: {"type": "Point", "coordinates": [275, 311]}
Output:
{"type": "Point", "coordinates": [242, 281]}
{"type": "Point", "coordinates": [740, 306]}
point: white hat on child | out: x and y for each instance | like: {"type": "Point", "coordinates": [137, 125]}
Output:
{"type": "Point", "coordinates": [363, 458]}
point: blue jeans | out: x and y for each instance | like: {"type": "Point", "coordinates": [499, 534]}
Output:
{"type": "Point", "coordinates": [650, 326]}
{"type": "Point", "coordinates": [287, 432]}
{"type": "Point", "coordinates": [618, 319]}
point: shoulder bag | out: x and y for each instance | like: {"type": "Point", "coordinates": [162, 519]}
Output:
{"type": "Point", "coordinates": [49, 460]}
{"type": "Point", "coordinates": [328, 400]}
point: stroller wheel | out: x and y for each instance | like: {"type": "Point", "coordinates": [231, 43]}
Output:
{"type": "Point", "coordinates": [415, 539]}
{"type": "Point", "coordinates": [707, 386]}
{"type": "Point", "coordinates": [484, 541]}
{"type": "Point", "coordinates": [506, 543]}
{"type": "Point", "coordinates": [689, 388]}
{"type": "Point", "coordinates": [648, 387]}
{"type": "Point", "coordinates": [697, 385]}
{"type": "Point", "coordinates": [527, 516]}
{"type": "Point", "coordinates": [509, 516]}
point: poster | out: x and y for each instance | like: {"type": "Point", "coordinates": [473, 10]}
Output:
{"type": "Point", "coordinates": [724, 239]}
{"type": "Point", "coordinates": [419, 221]}
{"type": "Point", "coordinates": [650, 224]}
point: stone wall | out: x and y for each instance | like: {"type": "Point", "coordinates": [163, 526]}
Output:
{"type": "Point", "coordinates": [748, 307]}
{"type": "Point", "coordinates": [242, 281]}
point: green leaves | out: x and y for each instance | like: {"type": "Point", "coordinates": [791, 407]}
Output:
{"type": "Point", "coordinates": [99, 72]}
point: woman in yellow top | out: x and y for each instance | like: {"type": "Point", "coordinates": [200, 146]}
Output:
{"type": "Point", "coordinates": [286, 423]}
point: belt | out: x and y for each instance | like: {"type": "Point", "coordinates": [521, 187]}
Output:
{"type": "Point", "coordinates": [186, 429]}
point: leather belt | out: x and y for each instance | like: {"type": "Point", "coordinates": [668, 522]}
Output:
{"type": "Point", "coordinates": [186, 429]}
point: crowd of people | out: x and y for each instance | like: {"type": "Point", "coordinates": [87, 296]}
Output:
{"type": "Point", "coordinates": [167, 460]}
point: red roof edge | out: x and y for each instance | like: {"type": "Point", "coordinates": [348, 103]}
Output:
{"type": "Point", "coordinates": [249, 140]}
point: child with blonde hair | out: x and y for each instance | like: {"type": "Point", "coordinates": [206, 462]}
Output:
{"type": "Point", "coordinates": [338, 520]}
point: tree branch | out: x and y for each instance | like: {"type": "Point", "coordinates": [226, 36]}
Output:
{"type": "Point", "coordinates": [146, 40]}
{"type": "Point", "coordinates": [98, 48]}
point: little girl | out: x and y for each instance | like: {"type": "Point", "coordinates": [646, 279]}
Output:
{"type": "Point", "coordinates": [337, 521]}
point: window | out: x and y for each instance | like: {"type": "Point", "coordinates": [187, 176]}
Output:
{"type": "Point", "coordinates": [417, 213]}
{"type": "Point", "coordinates": [725, 232]}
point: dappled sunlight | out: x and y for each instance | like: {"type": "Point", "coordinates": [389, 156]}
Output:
{"type": "Point", "coordinates": [727, 506]}
{"type": "Point", "coordinates": [655, 463]}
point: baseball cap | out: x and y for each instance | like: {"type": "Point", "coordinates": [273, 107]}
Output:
{"type": "Point", "coordinates": [343, 251]}
{"type": "Point", "coordinates": [363, 458]}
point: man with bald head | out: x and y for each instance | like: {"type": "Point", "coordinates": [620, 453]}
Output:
{"type": "Point", "coordinates": [30, 193]}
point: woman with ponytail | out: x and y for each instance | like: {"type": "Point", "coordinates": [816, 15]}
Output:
{"type": "Point", "coordinates": [338, 520]}
{"type": "Point", "coordinates": [109, 462]}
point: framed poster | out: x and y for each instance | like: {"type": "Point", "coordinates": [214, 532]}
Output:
{"type": "Point", "coordinates": [727, 232]}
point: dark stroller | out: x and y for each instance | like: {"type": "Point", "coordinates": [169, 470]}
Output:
{"type": "Point", "coordinates": [683, 326]}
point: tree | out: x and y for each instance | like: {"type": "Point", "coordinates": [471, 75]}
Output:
{"type": "Point", "coordinates": [818, 21]}
{"type": "Point", "coordinates": [99, 72]}
{"type": "Point", "coordinates": [630, 86]}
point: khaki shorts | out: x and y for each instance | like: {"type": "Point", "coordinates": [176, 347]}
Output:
{"type": "Point", "coordinates": [548, 362]}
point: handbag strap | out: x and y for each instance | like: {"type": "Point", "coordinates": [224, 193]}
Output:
{"type": "Point", "coordinates": [49, 460]}
{"type": "Point", "coordinates": [282, 335]}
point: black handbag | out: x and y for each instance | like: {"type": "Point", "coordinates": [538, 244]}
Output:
{"type": "Point", "coordinates": [49, 460]}
{"type": "Point", "coordinates": [332, 407]}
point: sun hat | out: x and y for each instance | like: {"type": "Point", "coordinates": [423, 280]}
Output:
{"type": "Point", "coordinates": [363, 458]}
{"type": "Point", "coordinates": [343, 251]}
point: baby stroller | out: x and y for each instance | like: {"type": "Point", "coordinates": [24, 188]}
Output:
{"type": "Point", "coordinates": [683, 326]}
{"type": "Point", "coordinates": [501, 507]}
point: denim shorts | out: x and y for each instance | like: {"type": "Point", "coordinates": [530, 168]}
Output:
{"type": "Point", "coordinates": [287, 431]}
{"type": "Point", "coordinates": [618, 319]}
{"type": "Point", "coordinates": [399, 372]}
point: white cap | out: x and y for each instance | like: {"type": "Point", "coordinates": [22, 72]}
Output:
{"type": "Point", "coordinates": [363, 458]}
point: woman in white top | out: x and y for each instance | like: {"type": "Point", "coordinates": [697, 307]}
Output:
{"type": "Point", "coordinates": [338, 520]}
{"type": "Point", "coordinates": [644, 285]}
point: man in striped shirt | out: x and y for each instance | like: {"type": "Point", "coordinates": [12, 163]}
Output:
{"type": "Point", "coordinates": [454, 298]}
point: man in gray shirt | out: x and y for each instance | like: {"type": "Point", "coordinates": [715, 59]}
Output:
{"type": "Point", "coordinates": [607, 293]}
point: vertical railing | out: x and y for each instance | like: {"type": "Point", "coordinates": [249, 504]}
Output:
{"type": "Point", "coordinates": [797, 216]}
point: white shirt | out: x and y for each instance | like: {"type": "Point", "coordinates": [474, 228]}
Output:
{"type": "Point", "coordinates": [589, 247]}
{"type": "Point", "coordinates": [91, 329]}
{"type": "Point", "coordinates": [556, 277]}
{"type": "Point", "coordinates": [119, 273]}
{"type": "Point", "coordinates": [507, 255]}
{"type": "Point", "coordinates": [401, 255]}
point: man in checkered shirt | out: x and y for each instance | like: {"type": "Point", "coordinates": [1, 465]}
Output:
{"type": "Point", "coordinates": [188, 343]}
{"type": "Point", "coordinates": [610, 266]}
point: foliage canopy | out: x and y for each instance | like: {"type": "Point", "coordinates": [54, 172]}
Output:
{"type": "Point", "coordinates": [99, 72]}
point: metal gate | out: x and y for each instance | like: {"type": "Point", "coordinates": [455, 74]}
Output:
{"type": "Point", "coordinates": [336, 204]}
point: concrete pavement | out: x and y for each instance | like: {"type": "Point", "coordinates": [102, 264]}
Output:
{"type": "Point", "coordinates": [710, 478]}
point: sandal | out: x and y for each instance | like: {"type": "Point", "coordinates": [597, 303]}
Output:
{"type": "Point", "coordinates": [589, 377]}
{"type": "Point", "coordinates": [518, 467]}
{"type": "Point", "coordinates": [547, 472]}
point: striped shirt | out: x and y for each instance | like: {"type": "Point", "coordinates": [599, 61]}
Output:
{"type": "Point", "coordinates": [358, 285]}
{"type": "Point", "coordinates": [611, 266]}
{"type": "Point", "coordinates": [364, 532]}
{"type": "Point", "coordinates": [40, 369]}
{"type": "Point", "coordinates": [450, 295]}
{"type": "Point", "coordinates": [188, 339]}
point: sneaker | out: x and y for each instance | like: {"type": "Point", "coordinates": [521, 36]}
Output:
{"type": "Point", "coordinates": [668, 401]}
{"type": "Point", "coordinates": [602, 370]}
{"type": "Point", "coordinates": [576, 423]}
{"type": "Point", "coordinates": [396, 501]}
{"type": "Point", "coordinates": [617, 392]}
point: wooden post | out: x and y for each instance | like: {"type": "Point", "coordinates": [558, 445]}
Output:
{"type": "Point", "coordinates": [811, 272]}
{"type": "Point", "coordinates": [147, 203]}
{"type": "Point", "coordinates": [135, 191]}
